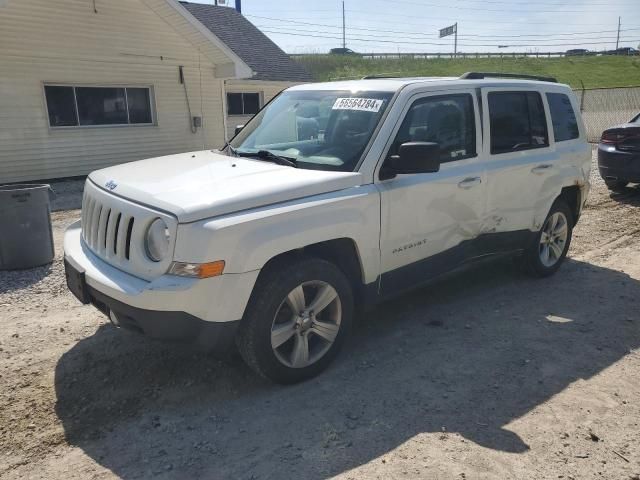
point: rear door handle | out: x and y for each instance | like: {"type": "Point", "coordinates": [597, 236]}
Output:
{"type": "Point", "coordinates": [540, 169]}
{"type": "Point", "coordinates": [470, 182]}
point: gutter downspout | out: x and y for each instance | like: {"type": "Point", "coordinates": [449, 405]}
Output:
{"type": "Point", "coordinates": [223, 86]}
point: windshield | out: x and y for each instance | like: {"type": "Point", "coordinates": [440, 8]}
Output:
{"type": "Point", "coordinates": [319, 130]}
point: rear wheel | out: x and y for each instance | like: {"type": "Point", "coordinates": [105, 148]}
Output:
{"type": "Point", "coordinates": [546, 254]}
{"type": "Point", "coordinates": [616, 185]}
{"type": "Point", "coordinates": [297, 320]}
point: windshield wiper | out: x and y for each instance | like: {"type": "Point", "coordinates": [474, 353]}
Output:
{"type": "Point", "coordinates": [269, 157]}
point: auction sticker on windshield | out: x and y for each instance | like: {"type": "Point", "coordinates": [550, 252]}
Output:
{"type": "Point", "coordinates": [362, 104]}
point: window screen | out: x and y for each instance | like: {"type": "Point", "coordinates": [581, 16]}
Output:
{"type": "Point", "coordinates": [446, 120]}
{"type": "Point", "coordinates": [71, 106]}
{"type": "Point", "coordinates": [251, 103]}
{"type": "Point", "coordinates": [101, 106]}
{"type": "Point", "coordinates": [243, 103]}
{"type": "Point", "coordinates": [61, 106]}
{"type": "Point", "coordinates": [517, 121]}
{"type": "Point", "coordinates": [565, 125]}
{"type": "Point", "coordinates": [139, 101]}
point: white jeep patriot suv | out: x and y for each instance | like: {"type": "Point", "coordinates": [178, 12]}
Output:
{"type": "Point", "coordinates": [332, 198]}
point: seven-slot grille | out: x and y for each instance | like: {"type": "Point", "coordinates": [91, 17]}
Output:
{"type": "Point", "coordinates": [106, 230]}
{"type": "Point", "coordinates": [113, 228]}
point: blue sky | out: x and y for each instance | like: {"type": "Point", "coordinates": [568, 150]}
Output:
{"type": "Point", "coordinates": [412, 25]}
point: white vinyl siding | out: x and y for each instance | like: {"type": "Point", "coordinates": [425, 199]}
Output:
{"type": "Point", "coordinates": [125, 43]}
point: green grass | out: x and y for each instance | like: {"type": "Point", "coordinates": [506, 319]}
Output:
{"type": "Point", "coordinates": [605, 71]}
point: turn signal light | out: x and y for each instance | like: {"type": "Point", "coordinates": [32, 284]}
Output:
{"type": "Point", "coordinates": [197, 270]}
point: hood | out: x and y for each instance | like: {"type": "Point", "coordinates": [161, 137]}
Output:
{"type": "Point", "coordinates": [198, 185]}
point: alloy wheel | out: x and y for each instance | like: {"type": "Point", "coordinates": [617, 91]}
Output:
{"type": "Point", "coordinates": [306, 324]}
{"type": "Point", "coordinates": [553, 239]}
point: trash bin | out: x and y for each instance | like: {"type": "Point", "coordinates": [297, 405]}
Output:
{"type": "Point", "coordinates": [26, 239]}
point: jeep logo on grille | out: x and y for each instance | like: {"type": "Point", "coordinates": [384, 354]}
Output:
{"type": "Point", "coordinates": [111, 185]}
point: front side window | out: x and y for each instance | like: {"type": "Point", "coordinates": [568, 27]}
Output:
{"type": "Point", "coordinates": [70, 106]}
{"type": "Point", "coordinates": [243, 103]}
{"type": "Point", "coordinates": [565, 125]}
{"type": "Point", "coordinates": [517, 121]}
{"type": "Point", "coordinates": [446, 120]}
{"type": "Point", "coordinates": [320, 130]}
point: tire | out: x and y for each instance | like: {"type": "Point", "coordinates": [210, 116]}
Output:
{"type": "Point", "coordinates": [616, 185]}
{"type": "Point", "coordinates": [273, 334]}
{"type": "Point", "coordinates": [545, 255]}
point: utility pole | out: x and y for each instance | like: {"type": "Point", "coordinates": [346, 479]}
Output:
{"type": "Point", "coordinates": [344, 30]}
{"type": "Point", "coordinates": [455, 43]}
{"type": "Point", "coordinates": [618, 38]}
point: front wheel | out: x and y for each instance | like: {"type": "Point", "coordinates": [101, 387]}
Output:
{"type": "Point", "coordinates": [545, 255]}
{"type": "Point", "coordinates": [297, 320]}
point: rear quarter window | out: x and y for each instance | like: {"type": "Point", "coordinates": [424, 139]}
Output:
{"type": "Point", "coordinates": [565, 124]}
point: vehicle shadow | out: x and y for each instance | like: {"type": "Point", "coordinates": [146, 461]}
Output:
{"type": "Point", "coordinates": [630, 195]}
{"type": "Point", "coordinates": [467, 355]}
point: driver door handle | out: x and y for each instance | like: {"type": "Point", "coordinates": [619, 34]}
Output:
{"type": "Point", "coordinates": [470, 182]}
{"type": "Point", "coordinates": [540, 169]}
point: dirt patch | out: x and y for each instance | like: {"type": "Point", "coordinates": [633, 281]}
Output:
{"type": "Point", "coordinates": [485, 374]}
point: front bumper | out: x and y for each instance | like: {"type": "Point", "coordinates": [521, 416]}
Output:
{"type": "Point", "coordinates": [168, 326]}
{"type": "Point", "coordinates": [204, 311]}
{"type": "Point", "coordinates": [615, 164]}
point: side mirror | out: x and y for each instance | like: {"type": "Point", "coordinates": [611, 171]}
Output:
{"type": "Point", "coordinates": [238, 129]}
{"type": "Point", "coordinates": [413, 157]}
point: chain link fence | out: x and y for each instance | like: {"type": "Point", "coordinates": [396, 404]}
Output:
{"type": "Point", "coordinates": [605, 107]}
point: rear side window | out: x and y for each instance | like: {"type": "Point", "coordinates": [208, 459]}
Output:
{"type": "Point", "coordinates": [517, 121]}
{"type": "Point", "coordinates": [447, 120]}
{"type": "Point", "coordinates": [565, 125]}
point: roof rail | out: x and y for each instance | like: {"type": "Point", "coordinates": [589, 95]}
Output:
{"type": "Point", "coordinates": [481, 75]}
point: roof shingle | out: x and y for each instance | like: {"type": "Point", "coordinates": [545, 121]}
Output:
{"type": "Point", "coordinates": [264, 57]}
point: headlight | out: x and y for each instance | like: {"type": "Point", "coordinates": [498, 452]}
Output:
{"type": "Point", "coordinates": [156, 241]}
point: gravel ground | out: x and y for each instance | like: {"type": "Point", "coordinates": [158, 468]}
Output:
{"type": "Point", "coordinates": [485, 374]}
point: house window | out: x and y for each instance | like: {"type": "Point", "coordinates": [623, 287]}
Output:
{"type": "Point", "coordinates": [243, 103]}
{"type": "Point", "coordinates": [71, 106]}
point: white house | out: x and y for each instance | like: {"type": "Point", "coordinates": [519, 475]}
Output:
{"type": "Point", "coordinates": [273, 69]}
{"type": "Point", "coordinates": [90, 83]}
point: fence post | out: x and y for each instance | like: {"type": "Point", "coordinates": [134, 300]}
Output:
{"type": "Point", "coordinates": [582, 97]}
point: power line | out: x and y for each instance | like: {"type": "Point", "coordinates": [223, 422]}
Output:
{"type": "Point", "coordinates": [457, 7]}
{"type": "Point", "coordinates": [312, 34]}
{"type": "Point", "coordinates": [377, 30]}
{"type": "Point", "coordinates": [451, 19]}
{"type": "Point", "coordinates": [409, 37]}
{"type": "Point", "coordinates": [464, 7]}
{"type": "Point", "coordinates": [421, 25]}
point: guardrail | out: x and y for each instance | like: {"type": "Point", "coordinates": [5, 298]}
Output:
{"type": "Point", "coordinates": [451, 55]}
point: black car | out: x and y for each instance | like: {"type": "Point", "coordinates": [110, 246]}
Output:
{"type": "Point", "coordinates": [622, 51]}
{"type": "Point", "coordinates": [577, 51]}
{"type": "Point", "coordinates": [619, 154]}
{"type": "Point", "coordinates": [342, 51]}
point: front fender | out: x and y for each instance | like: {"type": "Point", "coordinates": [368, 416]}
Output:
{"type": "Point", "coordinates": [247, 240]}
